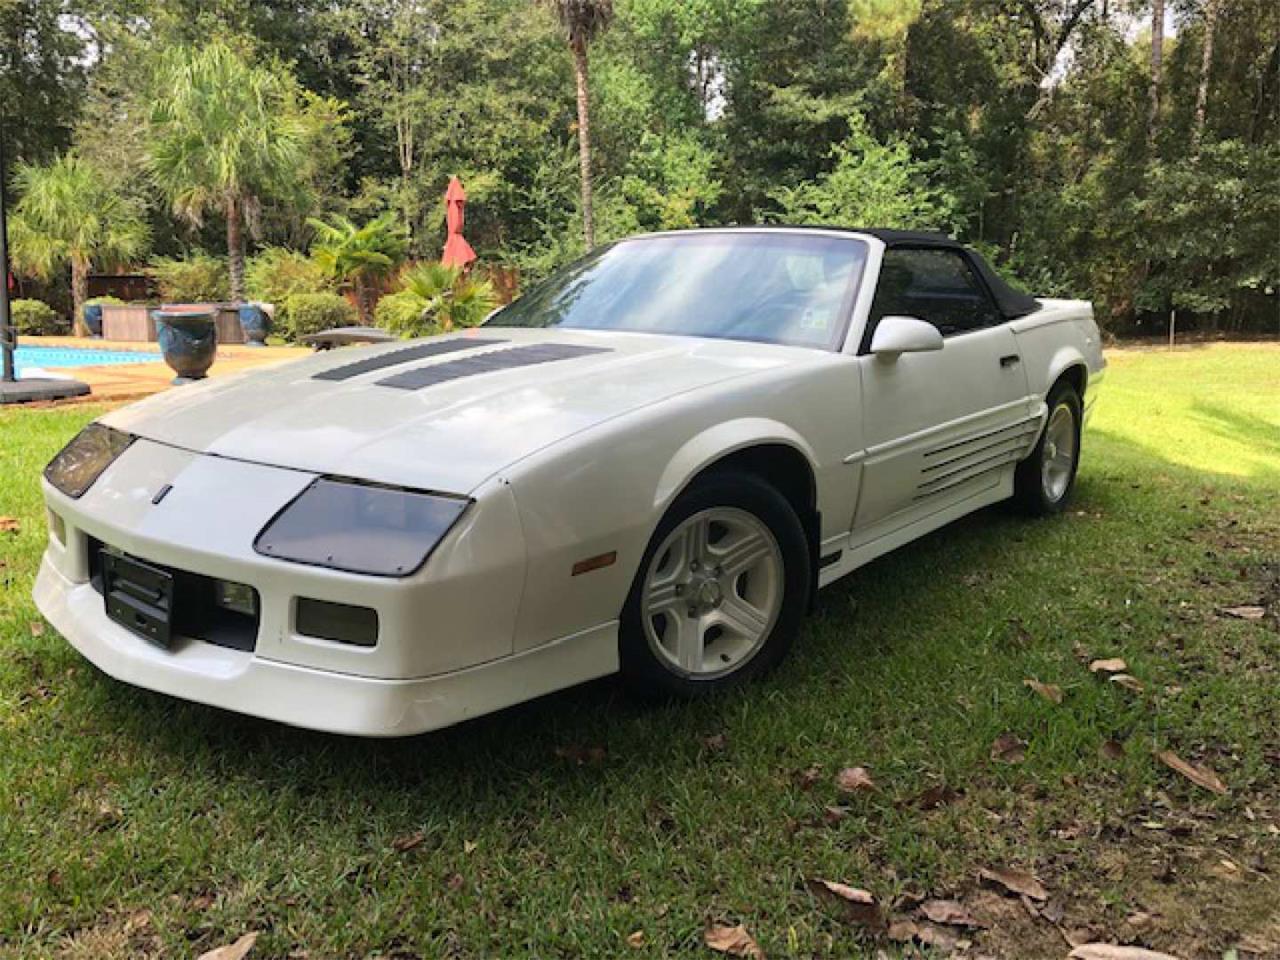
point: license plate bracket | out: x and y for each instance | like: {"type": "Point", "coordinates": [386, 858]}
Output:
{"type": "Point", "coordinates": [139, 597]}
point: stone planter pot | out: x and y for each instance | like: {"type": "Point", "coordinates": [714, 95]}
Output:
{"type": "Point", "coordinates": [93, 319]}
{"type": "Point", "coordinates": [189, 341]}
{"type": "Point", "coordinates": [255, 323]}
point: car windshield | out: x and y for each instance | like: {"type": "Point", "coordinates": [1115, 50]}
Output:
{"type": "Point", "coordinates": [770, 287]}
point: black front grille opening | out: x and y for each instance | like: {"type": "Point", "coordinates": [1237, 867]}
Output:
{"type": "Point", "coordinates": [196, 614]}
{"type": "Point", "coordinates": [339, 622]}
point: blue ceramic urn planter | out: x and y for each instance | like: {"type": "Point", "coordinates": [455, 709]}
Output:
{"type": "Point", "coordinates": [93, 319]}
{"type": "Point", "coordinates": [255, 323]}
{"type": "Point", "coordinates": [188, 340]}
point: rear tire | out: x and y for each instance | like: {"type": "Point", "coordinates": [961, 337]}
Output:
{"type": "Point", "coordinates": [1043, 482]}
{"type": "Point", "coordinates": [720, 592]}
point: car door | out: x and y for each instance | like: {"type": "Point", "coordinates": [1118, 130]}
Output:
{"type": "Point", "coordinates": [939, 426]}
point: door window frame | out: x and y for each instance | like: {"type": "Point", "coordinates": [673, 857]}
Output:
{"type": "Point", "coordinates": [864, 348]}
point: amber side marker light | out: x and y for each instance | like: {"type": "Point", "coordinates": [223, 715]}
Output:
{"type": "Point", "coordinates": [596, 562]}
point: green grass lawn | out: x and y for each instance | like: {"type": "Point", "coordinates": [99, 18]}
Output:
{"type": "Point", "coordinates": [133, 825]}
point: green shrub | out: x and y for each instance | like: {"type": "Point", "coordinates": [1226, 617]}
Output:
{"type": "Point", "coordinates": [436, 298]}
{"type": "Point", "coordinates": [198, 278]}
{"type": "Point", "coordinates": [104, 302]}
{"type": "Point", "coordinates": [276, 274]}
{"type": "Point", "coordinates": [315, 312]}
{"type": "Point", "coordinates": [402, 313]}
{"type": "Point", "coordinates": [35, 318]}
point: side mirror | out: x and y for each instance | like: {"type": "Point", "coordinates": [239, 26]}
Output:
{"type": "Point", "coordinates": [896, 335]}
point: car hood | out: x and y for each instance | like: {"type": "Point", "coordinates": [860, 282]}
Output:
{"type": "Point", "coordinates": [450, 435]}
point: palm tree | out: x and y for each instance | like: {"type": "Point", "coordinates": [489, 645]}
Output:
{"type": "Point", "coordinates": [583, 21]}
{"type": "Point", "coordinates": [67, 212]}
{"type": "Point", "coordinates": [451, 298]}
{"type": "Point", "coordinates": [359, 255]}
{"type": "Point", "coordinates": [224, 136]}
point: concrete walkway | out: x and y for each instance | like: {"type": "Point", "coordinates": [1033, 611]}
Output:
{"type": "Point", "coordinates": [129, 381]}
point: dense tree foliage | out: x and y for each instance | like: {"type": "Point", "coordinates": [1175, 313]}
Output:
{"type": "Point", "coordinates": [1090, 154]}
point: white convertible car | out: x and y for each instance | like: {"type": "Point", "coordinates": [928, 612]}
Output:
{"type": "Point", "coordinates": [648, 464]}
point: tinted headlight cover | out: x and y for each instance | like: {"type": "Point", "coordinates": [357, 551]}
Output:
{"type": "Point", "coordinates": [360, 527]}
{"type": "Point", "coordinates": [82, 461]}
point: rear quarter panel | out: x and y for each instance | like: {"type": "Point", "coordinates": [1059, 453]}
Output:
{"type": "Point", "coordinates": [1060, 335]}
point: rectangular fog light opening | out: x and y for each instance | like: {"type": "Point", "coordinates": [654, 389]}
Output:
{"type": "Point", "coordinates": [340, 622]}
{"type": "Point", "coordinates": [236, 597]}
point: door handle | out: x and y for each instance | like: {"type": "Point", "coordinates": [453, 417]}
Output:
{"type": "Point", "coordinates": [1009, 360]}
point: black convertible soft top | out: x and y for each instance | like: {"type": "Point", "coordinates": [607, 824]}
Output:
{"type": "Point", "coordinates": [1010, 301]}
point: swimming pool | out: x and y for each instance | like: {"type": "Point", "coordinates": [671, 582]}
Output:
{"type": "Point", "coordinates": [28, 359]}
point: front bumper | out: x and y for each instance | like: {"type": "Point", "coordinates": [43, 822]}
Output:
{"type": "Point", "coordinates": [317, 699]}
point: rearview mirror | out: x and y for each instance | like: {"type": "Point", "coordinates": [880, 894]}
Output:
{"type": "Point", "coordinates": [897, 335]}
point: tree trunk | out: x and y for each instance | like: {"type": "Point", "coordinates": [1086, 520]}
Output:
{"type": "Point", "coordinates": [235, 248]}
{"type": "Point", "coordinates": [584, 140]}
{"type": "Point", "coordinates": [361, 289]}
{"type": "Point", "coordinates": [1206, 65]}
{"type": "Point", "coordinates": [1157, 62]}
{"type": "Point", "coordinates": [79, 294]}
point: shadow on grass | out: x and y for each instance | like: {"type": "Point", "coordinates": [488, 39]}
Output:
{"type": "Point", "coordinates": [1260, 435]}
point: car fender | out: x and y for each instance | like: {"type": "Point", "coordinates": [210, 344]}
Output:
{"type": "Point", "coordinates": [717, 442]}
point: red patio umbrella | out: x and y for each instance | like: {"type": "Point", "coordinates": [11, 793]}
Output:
{"type": "Point", "coordinates": [457, 252]}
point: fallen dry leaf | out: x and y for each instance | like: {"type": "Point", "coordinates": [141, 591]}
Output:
{"type": "Point", "coordinates": [807, 777]}
{"type": "Point", "coordinates": [636, 939]}
{"type": "Point", "coordinates": [1200, 776]}
{"type": "Point", "coordinates": [10, 525]}
{"type": "Point", "coordinates": [1050, 691]}
{"type": "Point", "coordinates": [925, 933]}
{"type": "Point", "coordinates": [1112, 665]}
{"type": "Point", "coordinates": [1244, 613]}
{"type": "Point", "coordinates": [1128, 681]}
{"type": "Point", "coordinates": [232, 951]}
{"type": "Point", "coordinates": [37, 628]}
{"type": "Point", "coordinates": [1007, 748]}
{"type": "Point", "coordinates": [581, 755]}
{"type": "Point", "coordinates": [854, 779]}
{"type": "Point", "coordinates": [715, 742]}
{"type": "Point", "coordinates": [859, 906]}
{"type": "Point", "coordinates": [935, 796]}
{"type": "Point", "coordinates": [735, 941]}
{"type": "Point", "coordinates": [138, 920]}
{"type": "Point", "coordinates": [469, 846]}
{"type": "Point", "coordinates": [832, 815]}
{"type": "Point", "coordinates": [1015, 881]}
{"type": "Point", "coordinates": [950, 912]}
{"type": "Point", "coordinates": [406, 843]}
{"type": "Point", "coordinates": [1112, 749]}
{"type": "Point", "coordinates": [903, 931]}
{"type": "Point", "coordinates": [1108, 951]}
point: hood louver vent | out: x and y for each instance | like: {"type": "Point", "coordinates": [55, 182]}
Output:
{"type": "Point", "coordinates": [404, 355]}
{"type": "Point", "coordinates": [429, 376]}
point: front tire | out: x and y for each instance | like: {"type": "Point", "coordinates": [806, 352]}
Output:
{"type": "Point", "coordinates": [1044, 481]}
{"type": "Point", "coordinates": [720, 592]}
